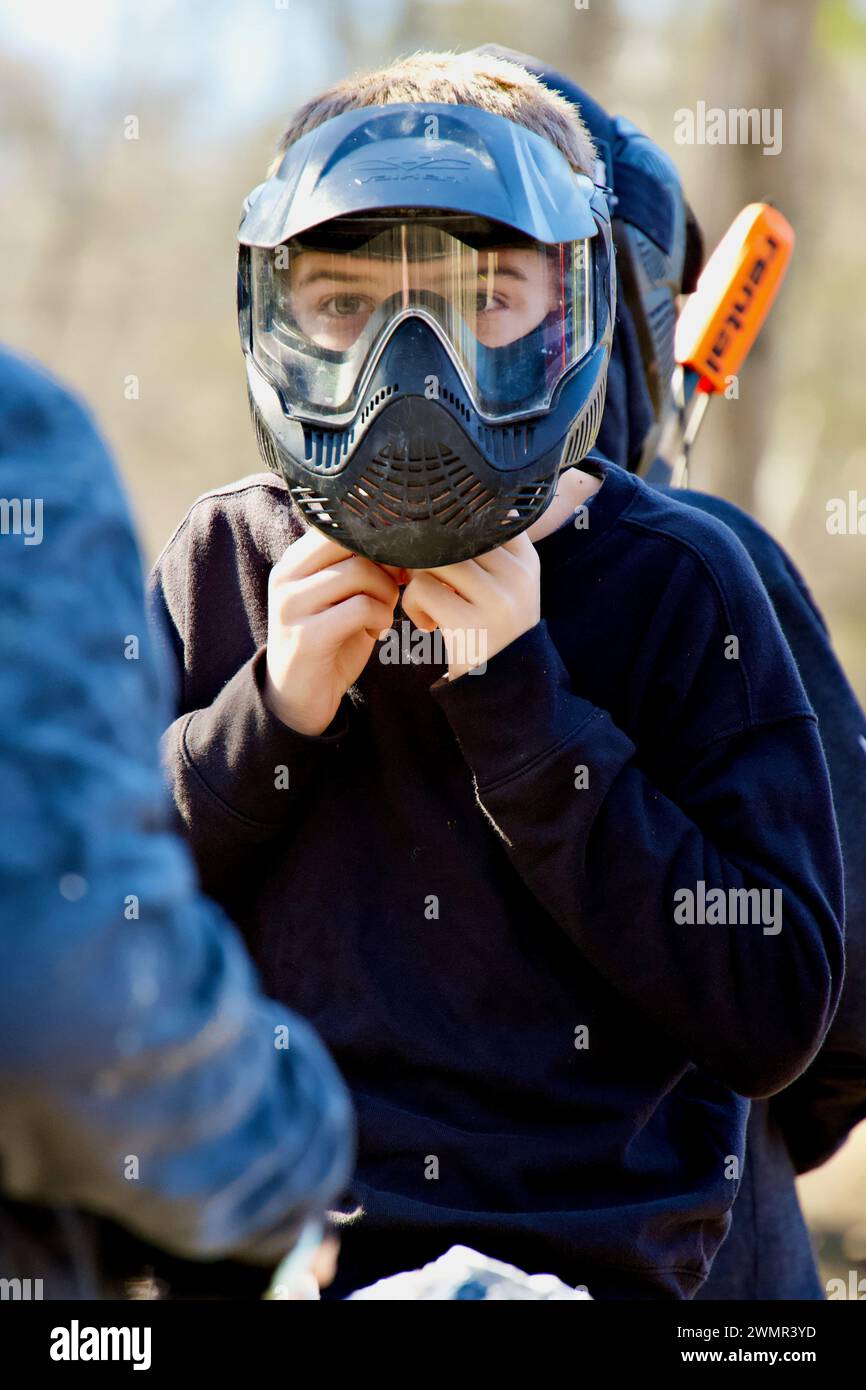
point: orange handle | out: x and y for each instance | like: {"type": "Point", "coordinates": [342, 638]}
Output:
{"type": "Point", "coordinates": [724, 316]}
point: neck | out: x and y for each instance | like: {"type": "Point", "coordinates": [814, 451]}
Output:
{"type": "Point", "coordinates": [572, 490]}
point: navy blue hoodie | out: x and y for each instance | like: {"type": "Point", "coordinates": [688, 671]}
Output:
{"type": "Point", "coordinates": [477, 890]}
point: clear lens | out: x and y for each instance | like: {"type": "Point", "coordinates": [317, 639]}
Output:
{"type": "Point", "coordinates": [517, 314]}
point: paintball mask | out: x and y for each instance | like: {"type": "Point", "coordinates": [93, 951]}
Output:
{"type": "Point", "coordinates": [425, 299]}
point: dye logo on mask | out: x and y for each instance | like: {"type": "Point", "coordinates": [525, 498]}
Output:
{"type": "Point", "coordinates": [432, 166]}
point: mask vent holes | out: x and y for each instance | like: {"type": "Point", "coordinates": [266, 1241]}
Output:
{"type": "Point", "coordinates": [325, 449]}
{"type": "Point", "coordinates": [459, 405]}
{"type": "Point", "coordinates": [264, 441]}
{"type": "Point", "coordinates": [377, 400]}
{"type": "Point", "coordinates": [525, 501]}
{"type": "Point", "coordinates": [510, 444]}
{"type": "Point", "coordinates": [314, 507]}
{"type": "Point", "coordinates": [417, 481]}
{"type": "Point", "coordinates": [584, 433]}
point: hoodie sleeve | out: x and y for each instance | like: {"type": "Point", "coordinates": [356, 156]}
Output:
{"type": "Point", "coordinates": [143, 1074]}
{"type": "Point", "coordinates": [615, 857]}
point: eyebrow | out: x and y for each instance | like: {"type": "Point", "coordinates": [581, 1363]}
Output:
{"type": "Point", "coordinates": [344, 277]}
{"type": "Point", "coordinates": [502, 270]}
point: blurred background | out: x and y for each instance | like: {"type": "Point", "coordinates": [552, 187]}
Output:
{"type": "Point", "coordinates": [132, 133]}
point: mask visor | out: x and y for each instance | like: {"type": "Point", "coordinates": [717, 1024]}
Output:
{"type": "Point", "coordinates": [514, 313]}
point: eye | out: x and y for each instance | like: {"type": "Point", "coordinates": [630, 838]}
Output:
{"type": "Point", "coordinates": [345, 305]}
{"type": "Point", "coordinates": [483, 304]}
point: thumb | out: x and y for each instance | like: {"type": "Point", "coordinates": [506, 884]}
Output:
{"type": "Point", "coordinates": [411, 607]}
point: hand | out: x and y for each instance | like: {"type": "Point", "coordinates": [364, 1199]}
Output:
{"type": "Point", "coordinates": [294, 1282]}
{"type": "Point", "coordinates": [326, 608]}
{"type": "Point", "coordinates": [324, 1265]}
{"type": "Point", "coordinates": [480, 605]}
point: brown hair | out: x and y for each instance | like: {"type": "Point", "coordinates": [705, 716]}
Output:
{"type": "Point", "coordinates": [494, 84]}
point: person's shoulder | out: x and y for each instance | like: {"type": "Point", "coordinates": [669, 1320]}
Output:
{"type": "Point", "coordinates": [781, 577]}
{"type": "Point", "coordinates": [251, 514]}
{"type": "Point", "coordinates": [709, 547]}
{"type": "Point", "coordinates": [668, 516]}
{"type": "Point", "coordinates": [720, 508]}
{"type": "Point", "coordinates": [51, 448]}
{"type": "Point", "coordinates": [718, 602]}
{"type": "Point", "coordinates": [29, 392]}
{"type": "Point", "coordinates": [765, 551]}
{"type": "Point", "coordinates": [258, 495]}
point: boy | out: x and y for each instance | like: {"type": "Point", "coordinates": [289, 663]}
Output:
{"type": "Point", "coordinates": [555, 916]}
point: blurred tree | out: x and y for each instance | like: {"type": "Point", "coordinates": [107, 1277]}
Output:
{"type": "Point", "coordinates": [765, 61]}
{"type": "Point", "coordinates": [578, 41]}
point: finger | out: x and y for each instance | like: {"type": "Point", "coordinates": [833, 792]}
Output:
{"type": "Point", "coordinates": [521, 546]}
{"type": "Point", "coordinates": [412, 606]}
{"type": "Point", "coordinates": [502, 556]}
{"type": "Point", "coordinates": [518, 554]}
{"type": "Point", "coordinates": [324, 1265]}
{"type": "Point", "coordinates": [398, 573]}
{"type": "Point", "coordinates": [311, 552]}
{"type": "Point", "coordinates": [354, 575]}
{"type": "Point", "coordinates": [498, 563]}
{"type": "Point", "coordinates": [419, 616]}
{"type": "Point", "coordinates": [360, 613]}
{"type": "Point", "coordinates": [427, 601]}
{"type": "Point", "coordinates": [298, 598]}
{"type": "Point", "coordinates": [467, 579]}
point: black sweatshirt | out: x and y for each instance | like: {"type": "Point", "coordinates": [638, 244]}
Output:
{"type": "Point", "coordinates": [480, 892]}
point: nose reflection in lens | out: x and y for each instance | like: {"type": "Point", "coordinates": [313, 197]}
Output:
{"type": "Point", "coordinates": [501, 294]}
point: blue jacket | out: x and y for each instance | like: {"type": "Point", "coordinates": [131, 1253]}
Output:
{"type": "Point", "coordinates": [144, 1077]}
